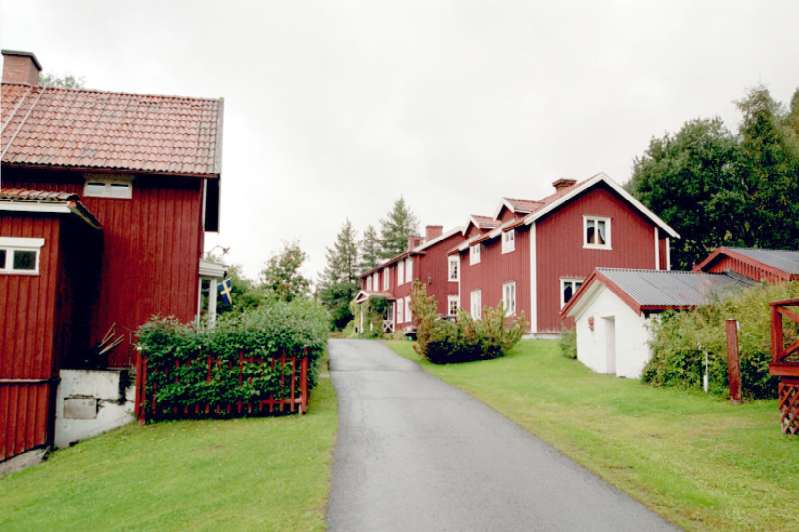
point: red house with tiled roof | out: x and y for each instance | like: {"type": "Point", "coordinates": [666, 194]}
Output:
{"type": "Point", "coordinates": [540, 251]}
{"type": "Point", "coordinates": [425, 260]}
{"type": "Point", "coordinates": [129, 179]}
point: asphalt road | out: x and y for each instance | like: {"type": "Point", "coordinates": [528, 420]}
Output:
{"type": "Point", "coordinates": [416, 454]}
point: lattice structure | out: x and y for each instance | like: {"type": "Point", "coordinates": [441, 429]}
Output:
{"type": "Point", "coordinates": [788, 393]}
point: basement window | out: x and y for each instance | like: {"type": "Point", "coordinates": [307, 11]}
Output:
{"type": "Point", "coordinates": [107, 187]}
{"type": "Point", "coordinates": [20, 256]}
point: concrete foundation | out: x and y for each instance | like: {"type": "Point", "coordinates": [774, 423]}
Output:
{"type": "Point", "coordinates": [90, 402]}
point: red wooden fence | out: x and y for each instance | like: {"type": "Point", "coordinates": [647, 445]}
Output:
{"type": "Point", "coordinates": [295, 384]}
{"type": "Point", "coordinates": [785, 363]}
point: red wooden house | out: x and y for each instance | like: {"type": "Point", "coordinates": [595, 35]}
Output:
{"type": "Point", "coordinates": [424, 260]}
{"type": "Point", "coordinates": [540, 251]}
{"type": "Point", "coordinates": [769, 265]}
{"type": "Point", "coordinates": [132, 179]}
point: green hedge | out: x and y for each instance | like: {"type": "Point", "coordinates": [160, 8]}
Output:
{"type": "Point", "coordinates": [680, 339]}
{"type": "Point", "coordinates": [177, 355]}
{"type": "Point", "coordinates": [568, 343]}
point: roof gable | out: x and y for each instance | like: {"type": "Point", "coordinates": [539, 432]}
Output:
{"type": "Point", "coordinates": [79, 128]}
{"type": "Point", "coordinates": [784, 263]}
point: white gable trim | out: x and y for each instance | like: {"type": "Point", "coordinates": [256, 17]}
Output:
{"type": "Point", "coordinates": [601, 177]}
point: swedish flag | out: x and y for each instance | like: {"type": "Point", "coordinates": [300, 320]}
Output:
{"type": "Point", "coordinates": [225, 291]}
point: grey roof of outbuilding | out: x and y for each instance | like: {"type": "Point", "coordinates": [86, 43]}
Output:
{"type": "Point", "coordinates": [785, 260]}
{"type": "Point", "coordinates": [670, 288]}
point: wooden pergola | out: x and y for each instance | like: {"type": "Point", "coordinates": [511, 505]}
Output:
{"type": "Point", "coordinates": [785, 361]}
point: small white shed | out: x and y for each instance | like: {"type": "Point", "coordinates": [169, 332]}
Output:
{"type": "Point", "coordinates": [613, 308]}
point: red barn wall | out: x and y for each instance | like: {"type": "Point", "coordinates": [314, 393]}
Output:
{"type": "Point", "coordinates": [152, 247]}
{"type": "Point", "coordinates": [560, 252]}
{"type": "Point", "coordinates": [27, 325]}
{"type": "Point", "coordinates": [495, 269]}
{"type": "Point", "coordinates": [434, 271]}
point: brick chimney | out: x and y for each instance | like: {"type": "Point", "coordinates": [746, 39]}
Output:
{"type": "Point", "coordinates": [433, 231]}
{"type": "Point", "coordinates": [563, 183]}
{"type": "Point", "coordinates": [20, 67]}
{"type": "Point", "coordinates": [413, 241]}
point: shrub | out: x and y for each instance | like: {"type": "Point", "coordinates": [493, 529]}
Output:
{"type": "Point", "coordinates": [177, 354]}
{"type": "Point", "coordinates": [425, 314]}
{"type": "Point", "coordinates": [568, 343]}
{"type": "Point", "coordinates": [373, 311]}
{"type": "Point", "coordinates": [467, 339]}
{"type": "Point", "coordinates": [681, 339]}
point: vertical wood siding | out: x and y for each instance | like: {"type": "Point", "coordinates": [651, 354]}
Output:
{"type": "Point", "coordinates": [151, 250]}
{"type": "Point", "coordinates": [496, 269]}
{"type": "Point", "coordinates": [725, 263]}
{"type": "Point", "coordinates": [27, 325]}
{"type": "Point", "coordinates": [560, 252]}
{"type": "Point", "coordinates": [434, 271]}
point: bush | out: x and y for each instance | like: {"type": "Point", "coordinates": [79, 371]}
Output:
{"type": "Point", "coordinates": [568, 343]}
{"type": "Point", "coordinates": [466, 339]}
{"type": "Point", "coordinates": [177, 354]}
{"type": "Point", "coordinates": [680, 340]}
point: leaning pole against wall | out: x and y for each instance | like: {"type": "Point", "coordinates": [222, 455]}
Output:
{"type": "Point", "coordinates": [785, 361]}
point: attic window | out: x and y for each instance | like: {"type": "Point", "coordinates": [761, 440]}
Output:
{"type": "Point", "coordinates": [107, 187]}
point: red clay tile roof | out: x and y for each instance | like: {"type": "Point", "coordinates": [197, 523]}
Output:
{"type": "Point", "coordinates": [523, 205]}
{"type": "Point", "coordinates": [82, 128]}
{"type": "Point", "coordinates": [46, 196]}
{"type": "Point", "coordinates": [484, 222]}
{"type": "Point", "coordinates": [67, 199]}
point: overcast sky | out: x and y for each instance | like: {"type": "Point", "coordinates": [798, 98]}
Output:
{"type": "Point", "coordinates": [334, 109]}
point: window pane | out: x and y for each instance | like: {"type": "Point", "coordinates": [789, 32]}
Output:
{"type": "Point", "coordinates": [589, 232]}
{"type": "Point", "coordinates": [95, 188]}
{"type": "Point", "coordinates": [600, 225]}
{"type": "Point", "coordinates": [2, 259]}
{"type": "Point", "coordinates": [568, 292]}
{"type": "Point", "coordinates": [24, 260]}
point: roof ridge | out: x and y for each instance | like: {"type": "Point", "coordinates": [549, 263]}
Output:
{"type": "Point", "coordinates": [118, 93]}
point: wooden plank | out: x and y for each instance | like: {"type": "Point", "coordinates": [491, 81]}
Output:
{"type": "Point", "coordinates": [733, 363]}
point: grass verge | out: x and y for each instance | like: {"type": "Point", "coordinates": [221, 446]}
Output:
{"type": "Point", "coordinates": [699, 461]}
{"type": "Point", "coordinates": [239, 474]}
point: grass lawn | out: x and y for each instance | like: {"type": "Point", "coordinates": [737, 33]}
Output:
{"type": "Point", "coordinates": [699, 461]}
{"type": "Point", "coordinates": [240, 474]}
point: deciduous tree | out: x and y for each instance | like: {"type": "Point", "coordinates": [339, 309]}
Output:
{"type": "Point", "coordinates": [281, 277]}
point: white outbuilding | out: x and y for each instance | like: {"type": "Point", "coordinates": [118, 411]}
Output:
{"type": "Point", "coordinates": [613, 308]}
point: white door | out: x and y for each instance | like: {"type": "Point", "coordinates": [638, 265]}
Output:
{"type": "Point", "coordinates": [610, 344]}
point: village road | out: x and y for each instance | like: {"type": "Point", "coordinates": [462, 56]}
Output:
{"type": "Point", "coordinates": [416, 454]}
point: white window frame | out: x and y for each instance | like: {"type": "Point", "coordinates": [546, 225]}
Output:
{"type": "Point", "coordinates": [509, 298]}
{"type": "Point", "coordinates": [113, 187]}
{"type": "Point", "coordinates": [376, 281]}
{"type": "Point", "coordinates": [509, 241]}
{"type": "Point", "coordinates": [608, 233]}
{"type": "Point", "coordinates": [476, 296]}
{"type": "Point", "coordinates": [474, 254]}
{"type": "Point", "coordinates": [386, 279]}
{"type": "Point", "coordinates": [450, 301]}
{"type": "Point", "coordinates": [409, 270]}
{"type": "Point", "coordinates": [401, 273]}
{"type": "Point", "coordinates": [408, 312]}
{"type": "Point", "coordinates": [11, 245]}
{"type": "Point", "coordinates": [574, 281]}
{"type": "Point", "coordinates": [454, 260]}
{"type": "Point", "coordinates": [400, 311]}
{"type": "Point", "coordinates": [368, 283]}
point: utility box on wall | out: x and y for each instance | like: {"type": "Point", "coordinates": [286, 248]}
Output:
{"type": "Point", "coordinates": [90, 402]}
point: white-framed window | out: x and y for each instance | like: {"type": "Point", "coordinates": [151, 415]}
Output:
{"type": "Point", "coordinates": [453, 267]}
{"type": "Point", "coordinates": [369, 284]}
{"type": "Point", "coordinates": [453, 304]}
{"type": "Point", "coordinates": [408, 313]}
{"type": "Point", "coordinates": [20, 256]}
{"type": "Point", "coordinates": [596, 232]}
{"type": "Point", "coordinates": [101, 186]}
{"type": "Point", "coordinates": [476, 303]}
{"type": "Point", "coordinates": [400, 311]}
{"type": "Point", "coordinates": [376, 281]}
{"type": "Point", "coordinates": [508, 241]}
{"type": "Point", "coordinates": [568, 287]}
{"type": "Point", "coordinates": [409, 270]}
{"type": "Point", "coordinates": [509, 298]}
{"type": "Point", "coordinates": [474, 254]}
{"type": "Point", "coordinates": [386, 279]}
{"type": "Point", "coordinates": [400, 273]}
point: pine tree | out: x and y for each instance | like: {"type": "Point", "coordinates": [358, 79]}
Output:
{"type": "Point", "coordinates": [342, 258]}
{"type": "Point", "coordinates": [396, 228]}
{"type": "Point", "coordinates": [370, 249]}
